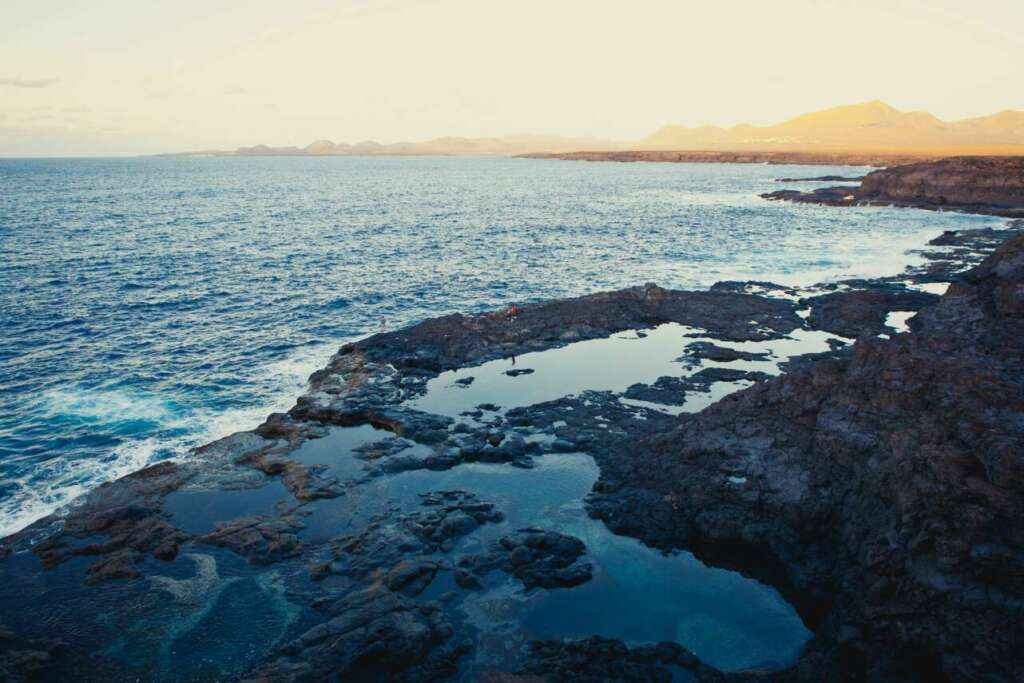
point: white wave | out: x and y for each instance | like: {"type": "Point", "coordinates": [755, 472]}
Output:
{"type": "Point", "coordinates": [108, 405]}
{"type": "Point", "coordinates": [56, 484]}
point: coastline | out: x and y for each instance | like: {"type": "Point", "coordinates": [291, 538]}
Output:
{"type": "Point", "coordinates": [810, 158]}
{"type": "Point", "coordinates": [981, 185]}
{"type": "Point", "coordinates": [370, 382]}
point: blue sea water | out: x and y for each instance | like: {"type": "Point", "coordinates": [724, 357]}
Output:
{"type": "Point", "coordinates": [150, 305]}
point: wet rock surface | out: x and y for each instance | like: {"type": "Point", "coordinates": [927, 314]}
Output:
{"type": "Point", "coordinates": [673, 390]}
{"type": "Point", "coordinates": [602, 659]}
{"type": "Point", "coordinates": [260, 540]}
{"type": "Point", "coordinates": [125, 515]}
{"type": "Point", "coordinates": [883, 485]}
{"type": "Point", "coordinates": [875, 484]}
{"type": "Point", "coordinates": [538, 558]}
{"type": "Point", "coordinates": [371, 634]}
{"type": "Point", "coordinates": [396, 547]}
{"type": "Point", "coordinates": [709, 351]}
{"type": "Point", "coordinates": [862, 308]}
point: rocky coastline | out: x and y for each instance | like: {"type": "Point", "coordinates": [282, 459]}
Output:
{"type": "Point", "coordinates": [874, 484]}
{"type": "Point", "coordinates": [810, 158]}
{"type": "Point", "coordinates": [985, 185]}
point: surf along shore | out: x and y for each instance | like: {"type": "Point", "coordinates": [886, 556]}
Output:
{"type": "Point", "coordinates": [851, 451]}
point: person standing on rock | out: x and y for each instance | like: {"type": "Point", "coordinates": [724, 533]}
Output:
{"type": "Point", "coordinates": [512, 313]}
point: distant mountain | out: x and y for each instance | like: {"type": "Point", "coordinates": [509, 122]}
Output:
{"type": "Point", "coordinates": [867, 126]}
{"type": "Point", "coordinates": [503, 146]}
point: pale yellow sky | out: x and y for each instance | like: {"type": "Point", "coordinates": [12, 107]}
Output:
{"type": "Point", "coordinates": [131, 76]}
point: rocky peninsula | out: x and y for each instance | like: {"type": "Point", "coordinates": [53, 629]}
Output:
{"type": "Point", "coordinates": [987, 185]}
{"type": "Point", "coordinates": [862, 459]}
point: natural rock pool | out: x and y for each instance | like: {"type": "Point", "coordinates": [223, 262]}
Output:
{"type": "Point", "coordinates": [208, 613]}
{"type": "Point", "coordinates": [637, 593]}
{"type": "Point", "coordinates": [613, 364]}
{"type": "Point", "coordinates": [435, 510]}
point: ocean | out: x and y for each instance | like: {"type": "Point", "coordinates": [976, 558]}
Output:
{"type": "Point", "coordinates": [150, 305]}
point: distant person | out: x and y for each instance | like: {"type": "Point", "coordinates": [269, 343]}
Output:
{"type": "Point", "coordinates": [512, 313]}
{"type": "Point", "coordinates": [383, 324]}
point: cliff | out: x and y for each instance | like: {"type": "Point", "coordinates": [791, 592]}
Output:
{"type": "Point", "coordinates": [991, 181]}
{"type": "Point", "coordinates": [991, 185]}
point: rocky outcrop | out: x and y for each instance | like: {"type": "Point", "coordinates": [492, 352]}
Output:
{"type": "Point", "coordinates": [457, 340]}
{"type": "Point", "coordinates": [372, 634]}
{"type": "Point", "coordinates": [126, 515]}
{"type": "Point", "coordinates": [996, 182]}
{"type": "Point", "coordinates": [988, 185]}
{"type": "Point", "coordinates": [601, 659]}
{"type": "Point", "coordinates": [885, 489]}
{"type": "Point", "coordinates": [399, 550]}
{"type": "Point", "coordinates": [863, 308]}
{"type": "Point", "coordinates": [261, 540]}
{"type": "Point", "coordinates": [538, 558]}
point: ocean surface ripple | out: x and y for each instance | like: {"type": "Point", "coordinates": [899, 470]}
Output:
{"type": "Point", "coordinates": [151, 305]}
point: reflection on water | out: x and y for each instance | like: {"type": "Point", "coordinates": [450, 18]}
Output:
{"type": "Point", "coordinates": [613, 364]}
{"type": "Point", "coordinates": [638, 594]}
{"type": "Point", "coordinates": [197, 512]}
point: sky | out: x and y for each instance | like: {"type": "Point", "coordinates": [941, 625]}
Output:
{"type": "Point", "coordinates": [113, 77]}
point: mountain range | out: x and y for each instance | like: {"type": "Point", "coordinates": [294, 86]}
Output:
{"type": "Point", "coordinates": [506, 145]}
{"type": "Point", "coordinates": [870, 126]}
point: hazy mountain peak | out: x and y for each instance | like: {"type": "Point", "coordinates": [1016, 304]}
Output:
{"type": "Point", "coordinates": [867, 125]}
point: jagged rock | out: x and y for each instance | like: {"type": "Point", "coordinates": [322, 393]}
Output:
{"type": "Point", "coordinates": [372, 634]}
{"type": "Point", "coordinates": [596, 659]}
{"type": "Point", "coordinates": [856, 312]}
{"type": "Point", "coordinates": [538, 558]}
{"type": "Point", "coordinates": [672, 390]}
{"type": "Point", "coordinates": [698, 351]}
{"type": "Point", "coordinates": [128, 513]}
{"type": "Point", "coordinates": [989, 185]}
{"type": "Point", "coordinates": [397, 545]}
{"type": "Point", "coordinates": [260, 540]}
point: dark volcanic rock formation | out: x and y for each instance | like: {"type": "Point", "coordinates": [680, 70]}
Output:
{"type": "Point", "coordinates": [601, 659]}
{"type": "Point", "coordinates": [261, 540]}
{"type": "Point", "coordinates": [880, 491]}
{"type": "Point", "coordinates": [958, 181]}
{"type": "Point", "coordinates": [538, 558]}
{"type": "Point", "coordinates": [456, 340]}
{"type": "Point", "coordinates": [992, 185]}
{"type": "Point", "coordinates": [373, 634]}
{"type": "Point", "coordinates": [863, 311]}
{"type": "Point", "coordinates": [698, 351]}
{"type": "Point", "coordinates": [125, 514]}
{"type": "Point", "coordinates": [889, 487]}
{"type": "Point", "coordinates": [396, 549]}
